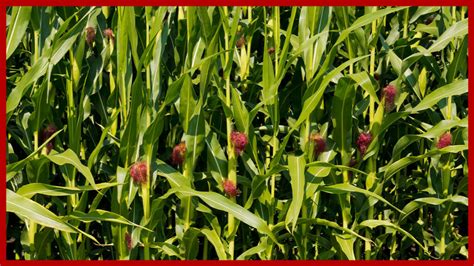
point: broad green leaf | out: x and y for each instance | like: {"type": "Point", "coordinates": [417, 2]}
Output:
{"type": "Point", "coordinates": [215, 240]}
{"type": "Point", "coordinates": [435, 131]}
{"type": "Point", "coordinates": [176, 179]}
{"type": "Point", "coordinates": [459, 63]}
{"type": "Point", "coordinates": [313, 25]}
{"type": "Point", "coordinates": [346, 243]}
{"type": "Point", "coordinates": [33, 74]}
{"type": "Point", "coordinates": [422, 10]}
{"type": "Point", "coordinates": [341, 113]}
{"type": "Point", "coordinates": [69, 157]}
{"type": "Point", "coordinates": [241, 115]}
{"type": "Point", "coordinates": [190, 243]}
{"type": "Point", "coordinates": [194, 137]}
{"type": "Point", "coordinates": [129, 19]}
{"type": "Point", "coordinates": [312, 101]}
{"type": "Point", "coordinates": [222, 203]}
{"type": "Point", "coordinates": [187, 103]}
{"type": "Point", "coordinates": [366, 19]}
{"type": "Point", "coordinates": [396, 166]}
{"type": "Point", "coordinates": [344, 188]}
{"type": "Point", "coordinates": [296, 167]}
{"type": "Point", "coordinates": [459, 29]}
{"type": "Point", "coordinates": [129, 138]}
{"type": "Point", "coordinates": [420, 202]}
{"type": "Point", "coordinates": [216, 159]}
{"type": "Point", "coordinates": [101, 215]}
{"type": "Point", "coordinates": [455, 88]}
{"type": "Point", "coordinates": [375, 223]}
{"type": "Point", "coordinates": [18, 26]}
{"type": "Point", "coordinates": [29, 190]}
{"type": "Point", "coordinates": [40, 103]}
{"type": "Point", "coordinates": [246, 255]}
{"type": "Point", "coordinates": [270, 85]}
{"type": "Point", "coordinates": [363, 79]}
{"type": "Point", "coordinates": [283, 63]}
{"type": "Point", "coordinates": [173, 91]}
{"type": "Point", "coordinates": [29, 209]}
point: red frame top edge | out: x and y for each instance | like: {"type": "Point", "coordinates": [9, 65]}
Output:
{"type": "Point", "coordinates": [253, 262]}
{"type": "Point", "coordinates": [236, 3]}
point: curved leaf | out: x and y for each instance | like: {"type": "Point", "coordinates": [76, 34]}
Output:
{"type": "Point", "coordinates": [29, 209]}
{"type": "Point", "coordinates": [18, 26]}
{"type": "Point", "coordinates": [452, 89]}
{"type": "Point", "coordinates": [222, 203]}
{"type": "Point", "coordinates": [102, 215]}
{"type": "Point", "coordinates": [393, 168]}
{"type": "Point", "coordinates": [70, 157]}
{"type": "Point", "coordinates": [376, 223]}
{"type": "Point", "coordinates": [344, 188]}
{"type": "Point", "coordinates": [29, 190]}
{"type": "Point", "coordinates": [457, 30]}
{"type": "Point", "coordinates": [341, 112]}
{"type": "Point", "coordinates": [215, 240]}
{"type": "Point", "coordinates": [296, 166]}
{"type": "Point", "coordinates": [420, 202]}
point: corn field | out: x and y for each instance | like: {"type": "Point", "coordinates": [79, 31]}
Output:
{"type": "Point", "coordinates": [236, 133]}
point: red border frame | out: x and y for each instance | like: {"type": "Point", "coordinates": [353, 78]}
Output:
{"type": "Point", "coordinates": [3, 228]}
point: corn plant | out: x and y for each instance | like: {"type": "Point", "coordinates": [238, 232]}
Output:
{"type": "Point", "coordinates": [236, 133]}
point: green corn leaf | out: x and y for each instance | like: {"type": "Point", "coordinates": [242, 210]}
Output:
{"type": "Point", "coordinates": [395, 167]}
{"type": "Point", "coordinates": [459, 29]}
{"type": "Point", "coordinates": [296, 166]}
{"type": "Point", "coordinates": [420, 202]}
{"type": "Point", "coordinates": [19, 25]}
{"type": "Point", "coordinates": [375, 223]}
{"type": "Point", "coordinates": [344, 188]}
{"type": "Point", "coordinates": [346, 243]}
{"type": "Point", "coordinates": [70, 157]}
{"type": "Point", "coordinates": [342, 117]}
{"type": "Point", "coordinates": [215, 240]}
{"type": "Point", "coordinates": [101, 215]}
{"type": "Point", "coordinates": [455, 88]}
{"type": "Point", "coordinates": [29, 209]}
{"type": "Point", "coordinates": [29, 190]}
{"type": "Point", "coordinates": [222, 203]}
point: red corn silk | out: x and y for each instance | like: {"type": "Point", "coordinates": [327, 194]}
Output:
{"type": "Point", "coordinates": [319, 143]}
{"type": "Point", "coordinates": [128, 241]}
{"type": "Point", "coordinates": [139, 172]}
{"type": "Point", "coordinates": [444, 140]}
{"type": "Point", "coordinates": [352, 162]}
{"type": "Point", "coordinates": [47, 132]}
{"type": "Point", "coordinates": [240, 42]}
{"type": "Point", "coordinates": [90, 35]}
{"type": "Point", "coordinates": [363, 142]}
{"type": "Point", "coordinates": [230, 188]}
{"type": "Point", "coordinates": [179, 154]}
{"type": "Point", "coordinates": [239, 141]}
{"type": "Point", "coordinates": [389, 93]}
{"type": "Point", "coordinates": [109, 34]}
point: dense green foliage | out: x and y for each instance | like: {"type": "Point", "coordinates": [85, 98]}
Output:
{"type": "Point", "coordinates": [330, 163]}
